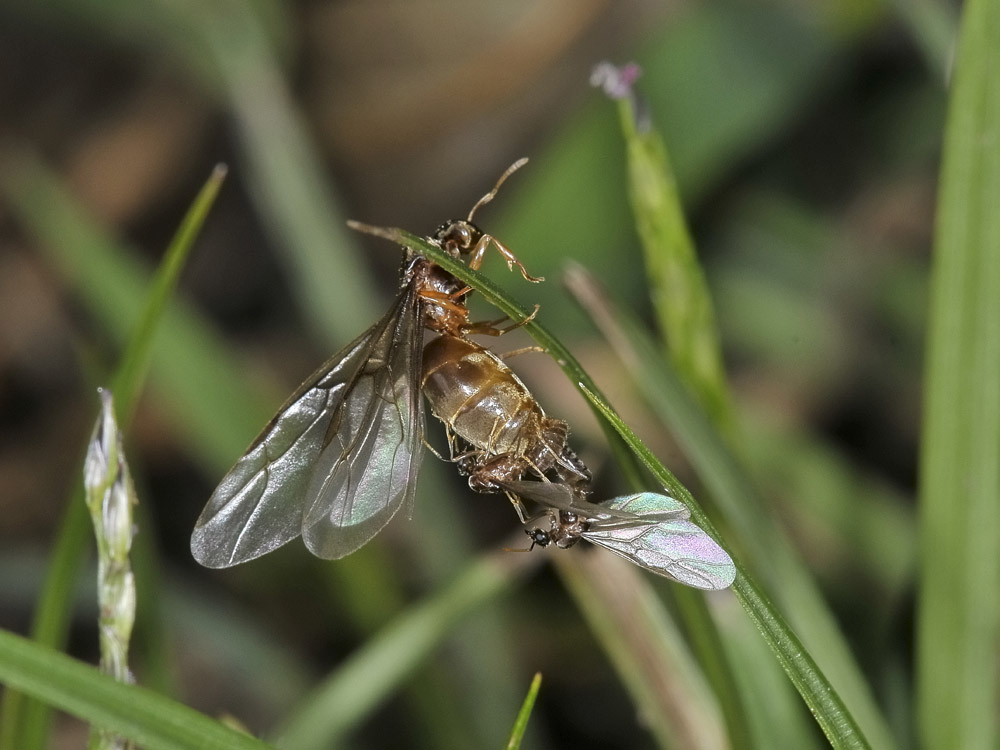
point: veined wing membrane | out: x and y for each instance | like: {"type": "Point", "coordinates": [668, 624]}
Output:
{"type": "Point", "coordinates": [312, 468]}
{"type": "Point", "coordinates": [672, 547]}
{"type": "Point", "coordinates": [372, 452]}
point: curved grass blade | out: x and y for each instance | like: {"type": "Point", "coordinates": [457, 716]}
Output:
{"type": "Point", "coordinates": [837, 723]}
{"type": "Point", "coordinates": [52, 217]}
{"type": "Point", "coordinates": [131, 372]}
{"type": "Point", "coordinates": [734, 491]}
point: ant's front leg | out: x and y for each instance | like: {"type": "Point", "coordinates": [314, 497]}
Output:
{"type": "Point", "coordinates": [479, 251]}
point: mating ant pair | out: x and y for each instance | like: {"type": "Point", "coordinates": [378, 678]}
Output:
{"type": "Point", "coordinates": [341, 456]}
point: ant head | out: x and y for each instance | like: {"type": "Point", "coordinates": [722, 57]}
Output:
{"type": "Point", "coordinates": [538, 537]}
{"type": "Point", "coordinates": [458, 237]}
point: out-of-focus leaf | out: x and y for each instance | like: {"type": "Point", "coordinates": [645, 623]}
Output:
{"type": "Point", "coordinates": [646, 648]}
{"type": "Point", "coordinates": [772, 555]}
{"type": "Point", "coordinates": [151, 720]}
{"type": "Point", "coordinates": [959, 608]}
{"type": "Point", "coordinates": [364, 681]}
{"type": "Point", "coordinates": [232, 51]}
{"type": "Point", "coordinates": [212, 403]}
{"type": "Point", "coordinates": [521, 723]}
{"type": "Point", "coordinates": [53, 218]}
{"type": "Point", "coordinates": [723, 79]}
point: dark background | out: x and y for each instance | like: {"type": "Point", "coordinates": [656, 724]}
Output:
{"type": "Point", "coordinates": [805, 139]}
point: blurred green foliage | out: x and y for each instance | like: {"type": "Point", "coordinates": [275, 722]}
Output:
{"type": "Point", "coordinates": [804, 143]}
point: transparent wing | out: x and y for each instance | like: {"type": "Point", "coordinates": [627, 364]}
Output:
{"type": "Point", "coordinates": [338, 460]}
{"type": "Point", "coordinates": [666, 543]}
{"type": "Point", "coordinates": [372, 450]}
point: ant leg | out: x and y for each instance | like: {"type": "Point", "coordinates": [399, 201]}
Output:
{"type": "Point", "coordinates": [451, 446]}
{"type": "Point", "coordinates": [517, 352]}
{"type": "Point", "coordinates": [479, 251]}
{"type": "Point", "coordinates": [519, 508]}
{"type": "Point", "coordinates": [430, 447]}
{"type": "Point", "coordinates": [489, 327]}
{"type": "Point", "coordinates": [447, 301]}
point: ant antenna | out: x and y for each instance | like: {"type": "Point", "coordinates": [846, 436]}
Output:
{"type": "Point", "coordinates": [533, 536]}
{"type": "Point", "coordinates": [493, 193]}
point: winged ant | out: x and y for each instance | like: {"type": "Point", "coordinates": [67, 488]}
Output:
{"type": "Point", "coordinates": [648, 529]}
{"type": "Point", "coordinates": [341, 456]}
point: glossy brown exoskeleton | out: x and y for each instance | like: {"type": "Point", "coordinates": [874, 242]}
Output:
{"type": "Point", "coordinates": [496, 428]}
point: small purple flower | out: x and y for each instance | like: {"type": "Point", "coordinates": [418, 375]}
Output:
{"type": "Point", "coordinates": [618, 83]}
{"type": "Point", "coordinates": [615, 81]}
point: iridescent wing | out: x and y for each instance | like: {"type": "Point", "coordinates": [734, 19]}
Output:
{"type": "Point", "coordinates": [666, 543]}
{"type": "Point", "coordinates": [338, 460]}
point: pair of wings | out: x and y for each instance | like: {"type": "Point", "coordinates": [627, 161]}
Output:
{"type": "Point", "coordinates": [648, 529]}
{"type": "Point", "coordinates": [337, 461]}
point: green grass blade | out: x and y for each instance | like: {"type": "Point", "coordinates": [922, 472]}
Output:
{"type": "Point", "coordinates": [370, 675]}
{"type": "Point", "coordinates": [52, 217]}
{"type": "Point", "coordinates": [285, 174]}
{"type": "Point", "coordinates": [678, 288]}
{"type": "Point", "coordinates": [686, 316]}
{"type": "Point", "coordinates": [521, 722]}
{"type": "Point", "coordinates": [131, 371]}
{"type": "Point", "coordinates": [733, 490]}
{"type": "Point", "coordinates": [709, 454]}
{"type": "Point", "coordinates": [154, 722]}
{"type": "Point", "coordinates": [24, 722]}
{"type": "Point", "coordinates": [294, 196]}
{"type": "Point", "coordinates": [959, 607]}
{"type": "Point", "coordinates": [824, 702]}
{"type": "Point", "coordinates": [212, 404]}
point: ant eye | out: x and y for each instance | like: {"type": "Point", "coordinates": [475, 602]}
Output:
{"type": "Point", "coordinates": [463, 237]}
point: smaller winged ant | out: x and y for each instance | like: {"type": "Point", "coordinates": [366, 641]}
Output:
{"type": "Point", "coordinates": [648, 529]}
